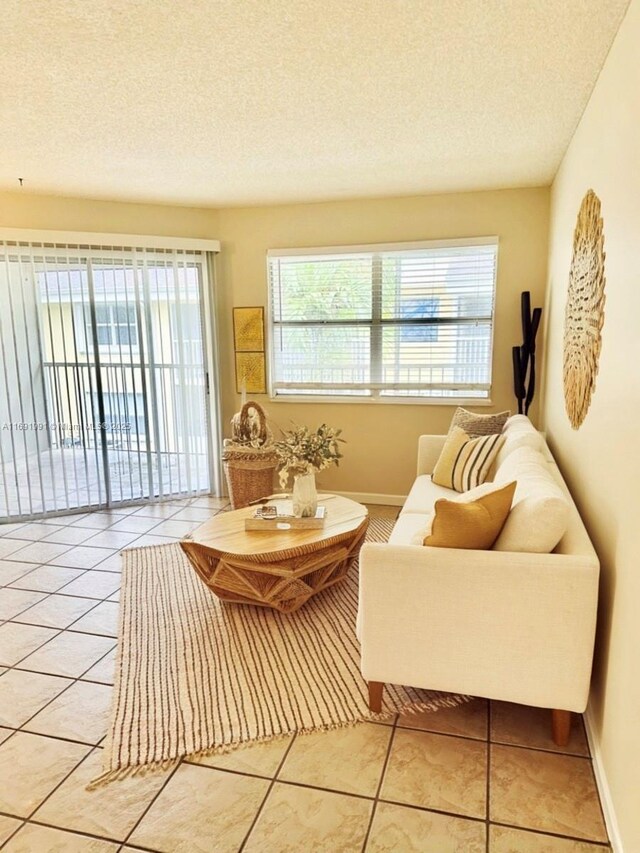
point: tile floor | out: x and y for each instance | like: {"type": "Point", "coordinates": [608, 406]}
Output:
{"type": "Point", "coordinates": [481, 777]}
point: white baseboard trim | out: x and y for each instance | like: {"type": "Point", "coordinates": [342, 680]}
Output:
{"type": "Point", "coordinates": [374, 498]}
{"type": "Point", "coordinates": [606, 799]}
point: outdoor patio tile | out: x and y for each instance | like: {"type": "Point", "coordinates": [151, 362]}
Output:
{"type": "Point", "coordinates": [9, 546]}
{"type": "Point", "coordinates": [32, 838]}
{"type": "Point", "coordinates": [134, 524]}
{"type": "Point", "coordinates": [111, 539]}
{"type": "Point", "coordinates": [56, 611]}
{"type": "Point", "coordinates": [110, 811]}
{"type": "Point", "coordinates": [35, 531]}
{"type": "Point", "coordinates": [80, 713]}
{"type": "Point", "coordinates": [5, 733]}
{"type": "Point", "coordinates": [97, 520]}
{"type": "Point", "coordinates": [67, 654]}
{"type": "Point", "coordinates": [35, 766]}
{"type": "Point", "coordinates": [46, 578]}
{"type": "Point", "coordinates": [94, 584]}
{"type": "Point", "coordinates": [102, 671]}
{"type": "Point", "coordinates": [18, 641]}
{"type": "Point", "coordinates": [10, 571]}
{"type": "Point", "coordinates": [69, 535]}
{"type": "Point", "coordinates": [10, 528]}
{"type": "Point", "coordinates": [318, 759]}
{"type": "Point", "coordinates": [82, 557]}
{"type": "Point", "coordinates": [23, 694]}
{"type": "Point", "coordinates": [102, 619]}
{"type": "Point", "coordinates": [14, 601]}
{"type": "Point", "coordinates": [199, 804]}
{"type": "Point", "coordinates": [295, 819]}
{"type": "Point", "coordinates": [38, 552]}
{"type": "Point", "coordinates": [156, 511]}
{"type": "Point", "coordinates": [397, 828]}
{"type": "Point", "coordinates": [437, 772]}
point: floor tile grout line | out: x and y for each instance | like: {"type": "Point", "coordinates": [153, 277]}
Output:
{"type": "Point", "coordinates": [270, 788]}
{"type": "Point", "coordinates": [15, 831]}
{"type": "Point", "coordinates": [60, 783]}
{"type": "Point", "coordinates": [488, 779]}
{"type": "Point", "coordinates": [169, 774]}
{"type": "Point", "coordinates": [536, 831]}
{"type": "Point", "coordinates": [383, 772]}
{"type": "Point", "coordinates": [67, 627]}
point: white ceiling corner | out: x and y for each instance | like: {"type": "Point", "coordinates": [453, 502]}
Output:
{"type": "Point", "coordinates": [230, 102]}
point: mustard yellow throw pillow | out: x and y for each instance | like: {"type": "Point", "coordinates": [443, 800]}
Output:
{"type": "Point", "coordinates": [475, 523]}
{"type": "Point", "coordinates": [465, 462]}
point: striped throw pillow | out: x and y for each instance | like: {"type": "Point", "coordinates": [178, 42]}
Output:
{"type": "Point", "coordinates": [475, 425]}
{"type": "Point", "coordinates": [465, 462]}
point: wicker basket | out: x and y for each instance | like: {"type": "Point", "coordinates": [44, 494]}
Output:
{"type": "Point", "coordinates": [249, 470]}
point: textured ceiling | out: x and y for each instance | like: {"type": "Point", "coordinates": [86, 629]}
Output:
{"type": "Point", "coordinates": [227, 102]}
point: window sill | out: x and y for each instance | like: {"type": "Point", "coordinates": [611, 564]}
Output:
{"type": "Point", "coordinates": [474, 402]}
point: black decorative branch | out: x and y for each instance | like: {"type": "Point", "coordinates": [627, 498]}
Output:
{"type": "Point", "coordinates": [524, 356]}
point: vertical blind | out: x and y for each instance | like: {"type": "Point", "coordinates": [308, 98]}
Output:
{"type": "Point", "coordinates": [388, 321]}
{"type": "Point", "coordinates": [103, 377]}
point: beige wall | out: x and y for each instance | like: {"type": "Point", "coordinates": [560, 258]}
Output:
{"type": "Point", "coordinates": [25, 210]}
{"type": "Point", "coordinates": [601, 460]}
{"type": "Point", "coordinates": [381, 450]}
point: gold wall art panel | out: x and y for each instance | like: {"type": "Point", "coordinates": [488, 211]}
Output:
{"type": "Point", "coordinates": [250, 373]}
{"type": "Point", "coordinates": [248, 329]}
{"type": "Point", "coordinates": [584, 313]}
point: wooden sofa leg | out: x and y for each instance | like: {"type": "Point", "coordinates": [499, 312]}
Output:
{"type": "Point", "coordinates": [375, 696]}
{"type": "Point", "coordinates": [561, 727]}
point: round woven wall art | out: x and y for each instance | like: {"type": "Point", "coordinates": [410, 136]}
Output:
{"type": "Point", "coordinates": [584, 314]}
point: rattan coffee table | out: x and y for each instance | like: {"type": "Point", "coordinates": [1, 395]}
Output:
{"type": "Point", "coordinates": [280, 569]}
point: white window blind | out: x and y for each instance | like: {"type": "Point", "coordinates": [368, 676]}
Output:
{"type": "Point", "coordinates": [383, 321]}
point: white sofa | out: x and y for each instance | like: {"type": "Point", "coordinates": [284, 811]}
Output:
{"type": "Point", "coordinates": [498, 624]}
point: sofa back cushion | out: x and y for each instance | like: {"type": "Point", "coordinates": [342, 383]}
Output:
{"type": "Point", "coordinates": [465, 462]}
{"type": "Point", "coordinates": [540, 512]}
{"type": "Point", "coordinates": [518, 432]}
{"type": "Point", "coordinates": [472, 520]}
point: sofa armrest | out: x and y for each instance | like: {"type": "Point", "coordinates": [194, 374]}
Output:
{"type": "Point", "coordinates": [510, 626]}
{"type": "Point", "coordinates": [429, 449]}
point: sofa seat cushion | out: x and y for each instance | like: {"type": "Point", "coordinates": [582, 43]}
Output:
{"type": "Point", "coordinates": [424, 493]}
{"type": "Point", "coordinates": [540, 512]}
{"type": "Point", "coordinates": [409, 529]}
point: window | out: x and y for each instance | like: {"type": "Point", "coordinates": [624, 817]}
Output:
{"type": "Point", "coordinates": [383, 322]}
{"type": "Point", "coordinates": [116, 325]}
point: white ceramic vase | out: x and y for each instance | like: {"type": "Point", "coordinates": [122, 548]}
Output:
{"type": "Point", "coordinates": [305, 496]}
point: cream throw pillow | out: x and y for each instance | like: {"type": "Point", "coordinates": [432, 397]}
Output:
{"type": "Point", "coordinates": [473, 520]}
{"type": "Point", "coordinates": [475, 425]}
{"type": "Point", "coordinates": [464, 462]}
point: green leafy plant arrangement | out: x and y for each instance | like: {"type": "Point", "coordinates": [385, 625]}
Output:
{"type": "Point", "coordinates": [302, 451]}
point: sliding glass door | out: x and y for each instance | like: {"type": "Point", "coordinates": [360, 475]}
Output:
{"type": "Point", "coordinates": [104, 377]}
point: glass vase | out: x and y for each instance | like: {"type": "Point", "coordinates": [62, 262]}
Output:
{"type": "Point", "coordinates": [305, 496]}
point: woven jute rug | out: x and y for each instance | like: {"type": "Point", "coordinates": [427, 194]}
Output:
{"type": "Point", "coordinates": [195, 676]}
